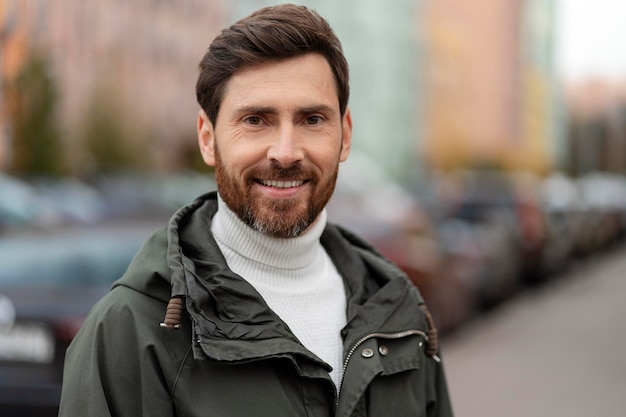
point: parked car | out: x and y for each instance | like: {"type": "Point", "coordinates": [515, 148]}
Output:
{"type": "Point", "coordinates": [486, 203]}
{"type": "Point", "coordinates": [464, 272]}
{"type": "Point", "coordinates": [370, 203]}
{"type": "Point", "coordinates": [48, 283]}
{"type": "Point", "coordinates": [74, 201]}
{"type": "Point", "coordinates": [157, 196]}
{"type": "Point", "coordinates": [21, 206]}
{"type": "Point", "coordinates": [534, 226]}
{"type": "Point", "coordinates": [561, 205]}
{"type": "Point", "coordinates": [605, 196]}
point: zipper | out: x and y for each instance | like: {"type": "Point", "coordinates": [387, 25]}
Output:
{"type": "Point", "coordinates": [362, 340]}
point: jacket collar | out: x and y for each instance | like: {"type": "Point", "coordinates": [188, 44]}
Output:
{"type": "Point", "coordinates": [230, 320]}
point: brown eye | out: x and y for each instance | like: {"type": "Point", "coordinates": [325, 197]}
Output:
{"type": "Point", "coordinates": [253, 120]}
{"type": "Point", "coordinates": [313, 120]}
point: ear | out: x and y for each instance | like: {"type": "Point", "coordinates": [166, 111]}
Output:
{"type": "Point", "coordinates": [346, 135]}
{"type": "Point", "coordinates": [206, 138]}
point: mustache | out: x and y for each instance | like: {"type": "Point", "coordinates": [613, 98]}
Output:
{"type": "Point", "coordinates": [278, 172]}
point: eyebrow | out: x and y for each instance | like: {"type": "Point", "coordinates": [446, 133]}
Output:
{"type": "Point", "coordinates": [317, 108]}
{"type": "Point", "coordinates": [256, 110]}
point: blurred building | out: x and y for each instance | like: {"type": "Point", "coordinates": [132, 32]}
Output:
{"type": "Point", "coordinates": [542, 146]}
{"type": "Point", "coordinates": [435, 84]}
{"type": "Point", "coordinates": [490, 86]}
{"type": "Point", "coordinates": [140, 57]}
{"type": "Point", "coordinates": [597, 126]}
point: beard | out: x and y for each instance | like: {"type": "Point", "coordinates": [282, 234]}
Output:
{"type": "Point", "coordinates": [279, 218]}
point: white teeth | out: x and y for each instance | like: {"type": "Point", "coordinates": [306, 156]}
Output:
{"type": "Point", "coordinates": [282, 184]}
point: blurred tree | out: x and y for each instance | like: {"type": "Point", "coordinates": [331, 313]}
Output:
{"type": "Point", "coordinates": [110, 142]}
{"type": "Point", "coordinates": [191, 158]}
{"type": "Point", "coordinates": [32, 97]}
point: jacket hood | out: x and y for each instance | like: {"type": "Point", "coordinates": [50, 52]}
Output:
{"type": "Point", "coordinates": [183, 261]}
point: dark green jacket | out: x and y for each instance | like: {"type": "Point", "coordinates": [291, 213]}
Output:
{"type": "Point", "coordinates": [233, 356]}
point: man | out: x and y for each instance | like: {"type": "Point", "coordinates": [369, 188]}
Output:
{"type": "Point", "coordinates": [271, 310]}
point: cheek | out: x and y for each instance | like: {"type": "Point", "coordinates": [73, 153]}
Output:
{"type": "Point", "coordinates": [238, 161]}
{"type": "Point", "coordinates": [236, 153]}
{"type": "Point", "coordinates": [326, 158]}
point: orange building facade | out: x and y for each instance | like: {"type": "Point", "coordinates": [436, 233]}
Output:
{"type": "Point", "coordinates": [488, 91]}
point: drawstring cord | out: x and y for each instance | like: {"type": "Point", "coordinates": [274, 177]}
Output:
{"type": "Point", "coordinates": [173, 314]}
{"type": "Point", "coordinates": [432, 345]}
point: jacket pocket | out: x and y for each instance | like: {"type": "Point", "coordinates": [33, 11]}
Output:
{"type": "Point", "coordinates": [382, 376]}
{"type": "Point", "coordinates": [401, 388]}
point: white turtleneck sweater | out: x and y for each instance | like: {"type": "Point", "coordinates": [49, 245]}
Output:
{"type": "Point", "coordinates": [295, 276]}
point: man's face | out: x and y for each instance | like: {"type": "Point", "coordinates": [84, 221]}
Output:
{"type": "Point", "coordinates": [277, 143]}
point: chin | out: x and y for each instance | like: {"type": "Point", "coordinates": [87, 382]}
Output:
{"type": "Point", "coordinates": [282, 223]}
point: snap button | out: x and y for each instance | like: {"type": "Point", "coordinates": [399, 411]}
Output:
{"type": "Point", "coordinates": [383, 350]}
{"type": "Point", "coordinates": [367, 353]}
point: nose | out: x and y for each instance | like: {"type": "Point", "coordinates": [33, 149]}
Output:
{"type": "Point", "coordinates": [286, 148]}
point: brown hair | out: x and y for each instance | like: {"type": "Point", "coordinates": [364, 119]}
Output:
{"type": "Point", "coordinates": [271, 33]}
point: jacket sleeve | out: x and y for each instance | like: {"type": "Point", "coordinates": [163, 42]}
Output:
{"type": "Point", "coordinates": [111, 368]}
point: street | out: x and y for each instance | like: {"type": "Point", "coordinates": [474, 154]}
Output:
{"type": "Point", "coordinates": [556, 350]}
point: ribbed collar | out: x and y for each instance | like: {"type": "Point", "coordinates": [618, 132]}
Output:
{"type": "Point", "coordinates": [291, 253]}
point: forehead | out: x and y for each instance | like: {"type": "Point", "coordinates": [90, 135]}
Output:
{"type": "Point", "coordinates": [307, 78]}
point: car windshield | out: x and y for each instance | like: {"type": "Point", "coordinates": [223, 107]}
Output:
{"type": "Point", "coordinates": [65, 261]}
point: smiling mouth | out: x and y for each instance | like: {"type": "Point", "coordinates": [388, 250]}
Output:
{"type": "Point", "coordinates": [281, 184]}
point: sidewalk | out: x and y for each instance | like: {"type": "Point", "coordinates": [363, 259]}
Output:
{"type": "Point", "coordinates": [559, 350]}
